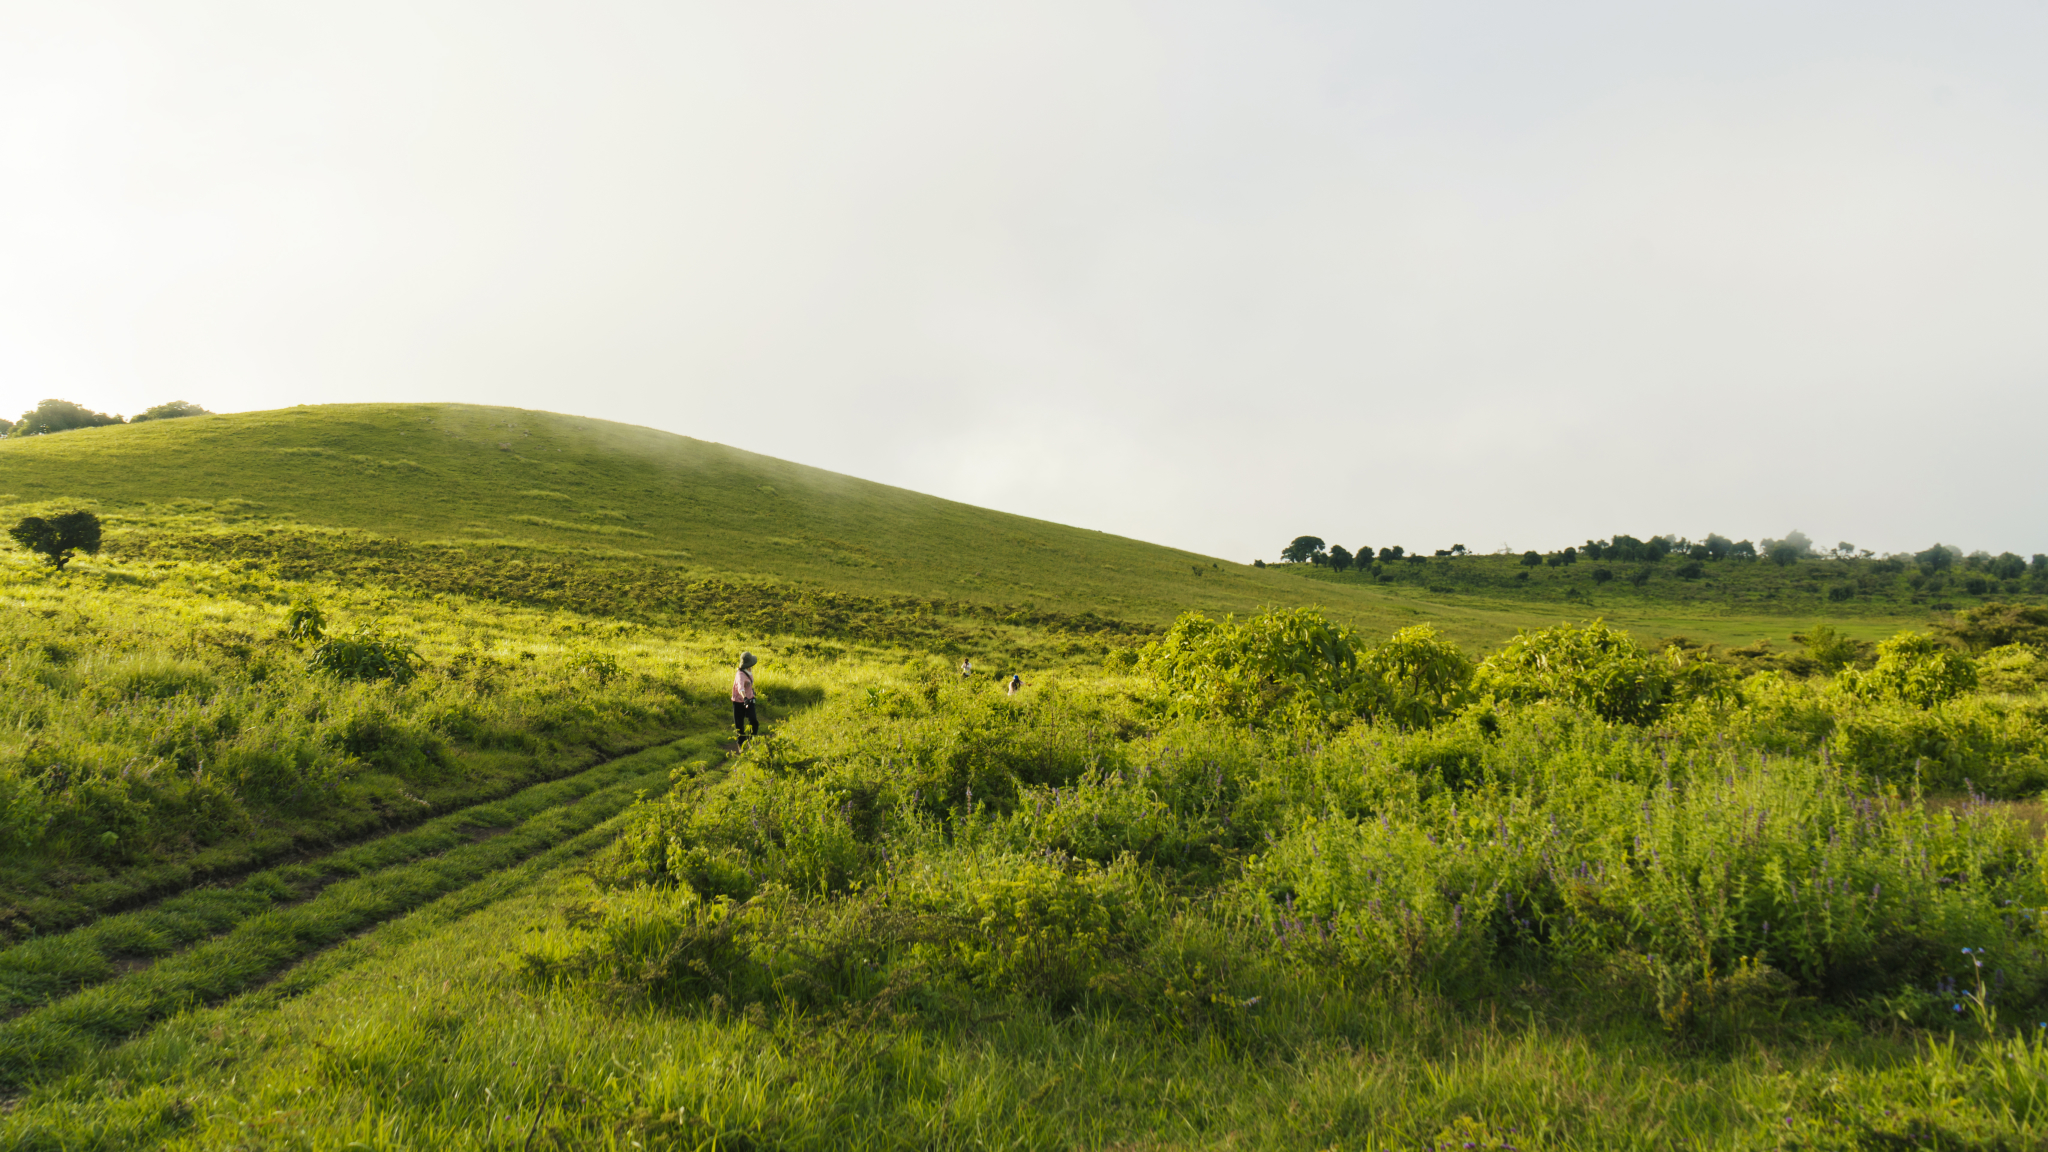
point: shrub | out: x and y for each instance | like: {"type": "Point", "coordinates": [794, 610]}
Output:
{"type": "Point", "coordinates": [366, 654]}
{"type": "Point", "coordinates": [1594, 665]}
{"type": "Point", "coordinates": [1284, 665]}
{"type": "Point", "coordinates": [1915, 668]}
{"type": "Point", "coordinates": [1416, 678]}
{"type": "Point", "coordinates": [1977, 744]}
{"type": "Point", "coordinates": [602, 667]}
{"type": "Point", "coordinates": [1996, 624]}
{"type": "Point", "coordinates": [58, 537]}
{"type": "Point", "coordinates": [1831, 650]}
{"type": "Point", "coordinates": [304, 620]}
{"type": "Point", "coordinates": [170, 411]}
{"type": "Point", "coordinates": [2013, 668]}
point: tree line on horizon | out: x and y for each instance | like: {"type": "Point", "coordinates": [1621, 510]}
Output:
{"type": "Point", "coordinates": [1622, 548]}
{"type": "Point", "coordinates": [64, 416]}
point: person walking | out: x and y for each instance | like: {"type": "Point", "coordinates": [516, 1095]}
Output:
{"type": "Point", "coordinates": [744, 698]}
{"type": "Point", "coordinates": [1016, 683]}
{"type": "Point", "coordinates": [966, 669]}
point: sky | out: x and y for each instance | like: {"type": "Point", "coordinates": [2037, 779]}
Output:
{"type": "Point", "coordinates": [1205, 273]}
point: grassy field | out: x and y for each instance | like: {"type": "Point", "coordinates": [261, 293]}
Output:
{"type": "Point", "coordinates": [1274, 884]}
{"type": "Point", "coordinates": [575, 498]}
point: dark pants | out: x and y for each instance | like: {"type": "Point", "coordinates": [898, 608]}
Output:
{"type": "Point", "coordinates": [743, 715]}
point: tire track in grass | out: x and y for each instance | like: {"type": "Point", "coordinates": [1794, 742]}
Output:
{"type": "Point", "coordinates": [58, 1037]}
{"type": "Point", "coordinates": [148, 884]}
{"type": "Point", "coordinates": [41, 969]}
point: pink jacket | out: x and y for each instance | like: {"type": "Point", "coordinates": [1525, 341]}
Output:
{"type": "Point", "coordinates": [742, 687]}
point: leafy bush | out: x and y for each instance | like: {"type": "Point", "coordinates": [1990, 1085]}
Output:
{"type": "Point", "coordinates": [1592, 665]}
{"type": "Point", "coordinates": [366, 654]}
{"type": "Point", "coordinates": [1416, 678]}
{"type": "Point", "coordinates": [602, 667]}
{"type": "Point", "coordinates": [1287, 667]}
{"type": "Point", "coordinates": [1987, 746]}
{"type": "Point", "coordinates": [304, 620]}
{"type": "Point", "coordinates": [1996, 625]}
{"type": "Point", "coordinates": [170, 411]}
{"type": "Point", "coordinates": [1284, 666]}
{"type": "Point", "coordinates": [1915, 668]}
{"type": "Point", "coordinates": [58, 537]}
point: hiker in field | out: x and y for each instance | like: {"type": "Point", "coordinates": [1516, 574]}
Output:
{"type": "Point", "coordinates": [966, 669]}
{"type": "Point", "coordinates": [744, 698]}
{"type": "Point", "coordinates": [1016, 683]}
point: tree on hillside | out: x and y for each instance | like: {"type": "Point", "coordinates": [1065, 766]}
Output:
{"type": "Point", "coordinates": [2007, 567]}
{"type": "Point", "coordinates": [171, 411]}
{"type": "Point", "coordinates": [1531, 558]}
{"type": "Point", "coordinates": [1791, 550]}
{"type": "Point", "coordinates": [1340, 557]}
{"type": "Point", "coordinates": [1304, 550]}
{"type": "Point", "coordinates": [1939, 558]}
{"type": "Point", "coordinates": [1391, 554]}
{"type": "Point", "coordinates": [58, 416]}
{"type": "Point", "coordinates": [58, 537]}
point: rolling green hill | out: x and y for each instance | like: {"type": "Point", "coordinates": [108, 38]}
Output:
{"type": "Point", "coordinates": [556, 509]}
{"type": "Point", "coordinates": [377, 785]}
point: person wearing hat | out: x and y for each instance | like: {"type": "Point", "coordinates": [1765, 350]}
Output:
{"type": "Point", "coordinates": [743, 697]}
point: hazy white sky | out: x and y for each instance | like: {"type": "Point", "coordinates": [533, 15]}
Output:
{"type": "Point", "coordinates": [1211, 274]}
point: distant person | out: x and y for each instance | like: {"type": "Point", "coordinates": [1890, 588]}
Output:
{"type": "Point", "coordinates": [966, 669]}
{"type": "Point", "coordinates": [744, 698]}
{"type": "Point", "coordinates": [1016, 683]}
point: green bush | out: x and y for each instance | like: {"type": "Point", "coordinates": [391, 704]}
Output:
{"type": "Point", "coordinates": [56, 538]}
{"type": "Point", "coordinates": [171, 411]}
{"type": "Point", "coordinates": [1591, 665]}
{"type": "Point", "coordinates": [1915, 668]}
{"type": "Point", "coordinates": [1707, 874]}
{"type": "Point", "coordinates": [366, 654]}
{"type": "Point", "coordinates": [1289, 667]}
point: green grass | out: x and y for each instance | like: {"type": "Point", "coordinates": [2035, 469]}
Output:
{"type": "Point", "coordinates": [492, 478]}
{"type": "Point", "coordinates": [48, 1040]}
{"type": "Point", "coordinates": [577, 496]}
{"type": "Point", "coordinates": [922, 914]}
{"type": "Point", "coordinates": [420, 1034]}
{"type": "Point", "coordinates": [45, 967]}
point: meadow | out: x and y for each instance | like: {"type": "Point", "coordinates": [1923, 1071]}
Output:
{"type": "Point", "coordinates": [1278, 879]}
{"type": "Point", "coordinates": [482, 488]}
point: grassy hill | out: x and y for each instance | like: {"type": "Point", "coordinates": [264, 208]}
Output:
{"type": "Point", "coordinates": [532, 893]}
{"type": "Point", "coordinates": [455, 498]}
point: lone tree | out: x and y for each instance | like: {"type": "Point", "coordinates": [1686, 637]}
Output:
{"type": "Point", "coordinates": [1304, 550]}
{"type": "Point", "coordinates": [58, 537]}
